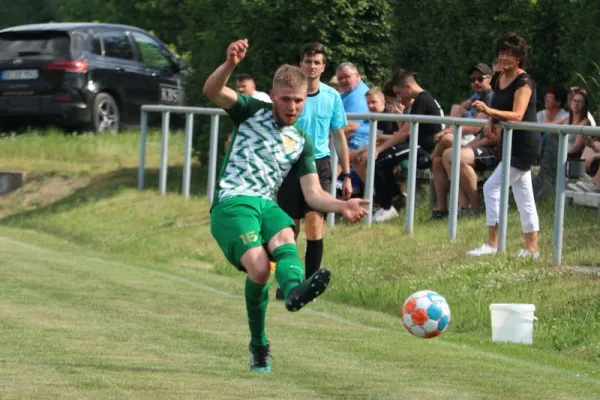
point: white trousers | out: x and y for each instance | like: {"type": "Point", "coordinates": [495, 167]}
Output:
{"type": "Point", "coordinates": [520, 181]}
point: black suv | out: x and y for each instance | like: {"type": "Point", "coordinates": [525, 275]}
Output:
{"type": "Point", "coordinates": [84, 75]}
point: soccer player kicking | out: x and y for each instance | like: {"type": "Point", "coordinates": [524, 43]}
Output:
{"type": "Point", "coordinates": [245, 221]}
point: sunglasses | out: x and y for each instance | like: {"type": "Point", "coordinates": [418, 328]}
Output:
{"type": "Point", "coordinates": [478, 78]}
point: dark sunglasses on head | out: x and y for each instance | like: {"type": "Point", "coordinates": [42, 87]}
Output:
{"type": "Point", "coordinates": [478, 78]}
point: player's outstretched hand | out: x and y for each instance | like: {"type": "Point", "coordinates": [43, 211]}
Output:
{"type": "Point", "coordinates": [237, 51]}
{"type": "Point", "coordinates": [353, 209]}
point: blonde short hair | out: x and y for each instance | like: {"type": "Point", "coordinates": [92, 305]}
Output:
{"type": "Point", "coordinates": [375, 92]}
{"type": "Point", "coordinates": [289, 76]}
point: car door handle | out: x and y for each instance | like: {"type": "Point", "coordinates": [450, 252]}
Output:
{"type": "Point", "coordinates": [155, 75]}
{"type": "Point", "coordinates": [119, 69]}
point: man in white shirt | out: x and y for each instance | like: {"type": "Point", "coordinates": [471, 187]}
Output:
{"type": "Point", "coordinates": [244, 83]}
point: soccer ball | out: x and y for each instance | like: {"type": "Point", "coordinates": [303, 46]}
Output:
{"type": "Point", "coordinates": [425, 314]}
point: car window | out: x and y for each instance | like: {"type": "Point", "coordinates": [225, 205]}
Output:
{"type": "Point", "coordinates": [96, 45]}
{"type": "Point", "coordinates": [117, 45]}
{"type": "Point", "coordinates": [152, 52]}
{"type": "Point", "coordinates": [35, 43]}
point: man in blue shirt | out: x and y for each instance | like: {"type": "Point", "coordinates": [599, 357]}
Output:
{"type": "Point", "coordinates": [353, 96]}
{"type": "Point", "coordinates": [323, 112]}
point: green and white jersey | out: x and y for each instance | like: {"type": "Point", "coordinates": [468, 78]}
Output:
{"type": "Point", "coordinates": [261, 152]}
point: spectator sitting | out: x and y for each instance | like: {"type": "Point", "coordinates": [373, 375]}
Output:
{"type": "Point", "coordinates": [396, 148]}
{"type": "Point", "coordinates": [553, 112]}
{"type": "Point", "coordinates": [244, 83]}
{"type": "Point", "coordinates": [353, 91]}
{"type": "Point", "coordinates": [378, 103]}
{"type": "Point", "coordinates": [480, 81]}
{"type": "Point", "coordinates": [592, 164]}
{"type": "Point", "coordinates": [476, 156]}
{"type": "Point", "coordinates": [578, 115]}
{"type": "Point", "coordinates": [573, 91]}
{"type": "Point", "coordinates": [333, 82]}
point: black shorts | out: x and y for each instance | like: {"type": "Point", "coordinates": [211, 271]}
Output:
{"type": "Point", "coordinates": [290, 197]}
{"type": "Point", "coordinates": [485, 158]}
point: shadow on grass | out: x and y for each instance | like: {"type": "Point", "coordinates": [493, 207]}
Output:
{"type": "Point", "coordinates": [112, 183]}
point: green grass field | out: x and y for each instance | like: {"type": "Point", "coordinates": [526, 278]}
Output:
{"type": "Point", "coordinates": [108, 292]}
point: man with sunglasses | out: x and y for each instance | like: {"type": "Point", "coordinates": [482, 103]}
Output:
{"type": "Point", "coordinates": [480, 77]}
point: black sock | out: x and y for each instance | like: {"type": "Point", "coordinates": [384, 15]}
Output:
{"type": "Point", "coordinates": [314, 255]}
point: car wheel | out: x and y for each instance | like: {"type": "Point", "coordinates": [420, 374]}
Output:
{"type": "Point", "coordinates": [106, 116]}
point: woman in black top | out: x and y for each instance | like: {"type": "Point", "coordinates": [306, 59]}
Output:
{"type": "Point", "coordinates": [514, 100]}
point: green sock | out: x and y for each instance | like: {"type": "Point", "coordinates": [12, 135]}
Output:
{"type": "Point", "coordinates": [257, 298]}
{"type": "Point", "coordinates": [289, 271]}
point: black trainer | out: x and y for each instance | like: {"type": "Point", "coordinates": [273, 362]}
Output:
{"type": "Point", "coordinates": [259, 358]}
{"type": "Point", "coordinates": [436, 214]}
{"type": "Point", "coordinates": [279, 294]}
{"type": "Point", "coordinates": [308, 290]}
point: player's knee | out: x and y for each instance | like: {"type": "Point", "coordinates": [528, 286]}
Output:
{"type": "Point", "coordinates": [257, 264]}
{"type": "Point", "coordinates": [284, 236]}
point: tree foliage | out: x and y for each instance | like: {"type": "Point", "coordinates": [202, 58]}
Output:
{"type": "Point", "coordinates": [438, 39]}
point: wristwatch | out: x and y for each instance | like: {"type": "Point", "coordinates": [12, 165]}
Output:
{"type": "Point", "coordinates": [347, 175]}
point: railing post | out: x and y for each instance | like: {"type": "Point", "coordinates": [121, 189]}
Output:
{"type": "Point", "coordinates": [187, 156]}
{"type": "Point", "coordinates": [164, 152]}
{"type": "Point", "coordinates": [559, 208]}
{"type": "Point", "coordinates": [143, 136]}
{"type": "Point", "coordinates": [334, 166]}
{"type": "Point", "coordinates": [502, 224]}
{"type": "Point", "coordinates": [454, 182]}
{"type": "Point", "coordinates": [213, 156]}
{"type": "Point", "coordinates": [370, 171]}
{"type": "Point", "coordinates": [412, 178]}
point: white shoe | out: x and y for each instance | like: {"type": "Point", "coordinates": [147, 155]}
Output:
{"type": "Point", "coordinates": [386, 215]}
{"type": "Point", "coordinates": [591, 187]}
{"type": "Point", "coordinates": [524, 254]}
{"type": "Point", "coordinates": [484, 250]}
{"type": "Point", "coordinates": [378, 213]}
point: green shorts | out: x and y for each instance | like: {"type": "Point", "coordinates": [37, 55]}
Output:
{"type": "Point", "coordinates": [240, 223]}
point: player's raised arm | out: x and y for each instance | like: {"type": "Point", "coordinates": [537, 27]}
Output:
{"type": "Point", "coordinates": [214, 87]}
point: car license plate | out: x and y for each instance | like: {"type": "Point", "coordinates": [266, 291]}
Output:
{"type": "Point", "coordinates": [20, 74]}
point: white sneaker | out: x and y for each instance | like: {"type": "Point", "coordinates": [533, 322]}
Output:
{"type": "Point", "coordinates": [525, 253]}
{"type": "Point", "coordinates": [484, 250]}
{"type": "Point", "coordinates": [386, 215]}
{"type": "Point", "coordinates": [378, 213]}
{"type": "Point", "coordinates": [591, 187]}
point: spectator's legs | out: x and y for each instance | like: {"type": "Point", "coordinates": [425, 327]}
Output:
{"type": "Point", "coordinates": [457, 111]}
{"type": "Point", "coordinates": [491, 194]}
{"type": "Point", "coordinates": [359, 167]}
{"type": "Point", "coordinates": [523, 193]}
{"type": "Point", "coordinates": [463, 200]}
{"type": "Point", "coordinates": [543, 143]}
{"type": "Point", "coordinates": [468, 178]}
{"type": "Point", "coordinates": [441, 183]}
{"type": "Point", "coordinates": [520, 181]}
{"type": "Point", "coordinates": [444, 143]}
{"type": "Point", "coordinates": [385, 184]}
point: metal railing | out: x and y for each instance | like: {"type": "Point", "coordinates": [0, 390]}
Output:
{"type": "Point", "coordinates": [414, 120]}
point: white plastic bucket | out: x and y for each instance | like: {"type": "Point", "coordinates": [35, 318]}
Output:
{"type": "Point", "coordinates": [512, 323]}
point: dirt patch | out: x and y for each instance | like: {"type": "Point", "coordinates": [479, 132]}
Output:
{"type": "Point", "coordinates": [38, 192]}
